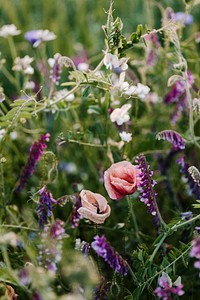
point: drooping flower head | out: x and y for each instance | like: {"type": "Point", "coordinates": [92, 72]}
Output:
{"type": "Point", "coordinates": [44, 208]}
{"type": "Point", "coordinates": [166, 289]}
{"type": "Point", "coordinates": [173, 137]}
{"type": "Point", "coordinates": [193, 186]}
{"type": "Point", "coordinates": [120, 180]}
{"type": "Point", "coordinates": [94, 207]}
{"type": "Point", "coordinates": [35, 152]}
{"type": "Point", "coordinates": [36, 37]}
{"type": "Point", "coordinates": [108, 253]}
{"type": "Point", "coordinates": [146, 184]}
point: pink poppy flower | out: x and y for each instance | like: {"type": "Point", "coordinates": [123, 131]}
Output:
{"type": "Point", "coordinates": [121, 179]}
{"type": "Point", "coordinates": [94, 207]}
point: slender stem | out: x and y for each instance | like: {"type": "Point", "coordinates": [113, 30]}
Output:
{"type": "Point", "coordinates": [17, 226]}
{"type": "Point", "coordinates": [169, 232]}
{"type": "Point", "coordinates": [158, 247]}
{"type": "Point", "coordinates": [132, 213]}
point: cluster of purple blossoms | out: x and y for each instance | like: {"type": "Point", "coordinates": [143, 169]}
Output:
{"type": "Point", "coordinates": [173, 137]}
{"type": "Point", "coordinates": [195, 252]}
{"type": "Point", "coordinates": [146, 184]}
{"type": "Point", "coordinates": [153, 45]}
{"type": "Point", "coordinates": [166, 288]}
{"type": "Point", "coordinates": [75, 216]}
{"type": "Point", "coordinates": [56, 68]}
{"type": "Point", "coordinates": [177, 95]}
{"type": "Point", "coordinates": [101, 290]}
{"type": "Point", "coordinates": [50, 249]}
{"type": "Point", "coordinates": [44, 208]}
{"type": "Point", "coordinates": [35, 152]}
{"type": "Point", "coordinates": [194, 187]}
{"type": "Point", "coordinates": [108, 253]}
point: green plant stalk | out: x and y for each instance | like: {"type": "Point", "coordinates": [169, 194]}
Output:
{"type": "Point", "coordinates": [131, 213]}
{"type": "Point", "coordinates": [169, 231]}
{"type": "Point", "coordinates": [14, 55]}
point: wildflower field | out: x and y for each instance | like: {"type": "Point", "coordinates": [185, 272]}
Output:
{"type": "Point", "coordinates": [99, 149]}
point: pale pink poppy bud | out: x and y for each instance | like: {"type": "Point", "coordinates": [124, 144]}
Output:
{"type": "Point", "coordinates": [94, 207]}
{"type": "Point", "coordinates": [121, 179]}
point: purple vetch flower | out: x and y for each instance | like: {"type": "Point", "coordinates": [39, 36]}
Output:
{"type": "Point", "coordinates": [194, 187]}
{"type": "Point", "coordinates": [101, 290]}
{"type": "Point", "coordinates": [108, 253]}
{"type": "Point", "coordinates": [56, 68]}
{"type": "Point", "coordinates": [50, 249]}
{"type": "Point", "coordinates": [173, 137]}
{"type": "Point", "coordinates": [36, 37]}
{"type": "Point", "coordinates": [37, 296]}
{"type": "Point", "coordinates": [75, 216]}
{"type": "Point", "coordinates": [182, 17]}
{"type": "Point", "coordinates": [44, 208]}
{"type": "Point", "coordinates": [35, 152]}
{"type": "Point", "coordinates": [83, 246]}
{"type": "Point", "coordinates": [197, 228]}
{"type": "Point", "coordinates": [146, 185]}
{"type": "Point", "coordinates": [178, 90]}
{"type": "Point", "coordinates": [195, 252]}
{"type": "Point", "coordinates": [166, 288]}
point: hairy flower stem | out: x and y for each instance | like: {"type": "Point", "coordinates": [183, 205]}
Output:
{"type": "Point", "coordinates": [170, 231]}
{"type": "Point", "coordinates": [131, 213]}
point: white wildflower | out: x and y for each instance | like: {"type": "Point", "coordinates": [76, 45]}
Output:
{"type": "Point", "coordinates": [24, 65]}
{"type": "Point", "coordinates": [140, 90]}
{"type": "Point", "coordinates": [120, 115]}
{"type": "Point", "coordinates": [9, 30]}
{"type": "Point", "coordinates": [111, 61]}
{"type": "Point", "coordinates": [62, 94]}
{"type": "Point", "coordinates": [125, 136]}
{"type": "Point", "coordinates": [2, 132]}
{"type": "Point", "coordinates": [83, 67]}
{"type": "Point", "coordinates": [29, 85]}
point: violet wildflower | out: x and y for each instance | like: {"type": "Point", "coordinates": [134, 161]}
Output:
{"type": "Point", "coordinates": [56, 68]}
{"type": "Point", "coordinates": [35, 152]}
{"type": "Point", "coordinates": [101, 290]}
{"type": "Point", "coordinates": [194, 187]}
{"type": "Point", "coordinates": [44, 208]}
{"type": "Point", "coordinates": [146, 185]}
{"type": "Point", "coordinates": [173, 137]}
{"type": "Point", "coordinates": [36, 37]}
{"type": "Point", "coordinates": [108, 253]}
{"type": "Point", "coordinates": [50, 249]}
{"type": "Point", "coordinates": [178, 90]}
{"type": "Point", "coordinates": [195, 252]}
{"type": "Point", "coordinates": [83, 246]}
{"type": "Point", "coordinates": [75, 216]}
{"type": "Point", "coordinates": [166, 288]}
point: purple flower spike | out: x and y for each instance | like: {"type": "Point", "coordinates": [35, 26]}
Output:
{"type": "Point", "coordinates": [173, 137]}
{"type": "Point", "coordinates": [146, 185]}
{"type": "Point", "coordinates": [105, 250]}
{"type": "Point", "coordinates": [195, 252]}
{"type": "Point", "coordinates": [194, 187]}
{"type": "Point", "coordinates": [75, 216]}
{"type": "Point", "coordinates": [35, 152]}
{"type": "Point", "coordinates": [44, 208]}
{"type": "Point", "coordinates": [101, 291]}
{"type": "Point", "coordinates": [56, 68]}
{"type": "Point", "coordinates": [166, 288]}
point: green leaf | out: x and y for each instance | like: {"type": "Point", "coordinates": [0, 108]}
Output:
{"type": "Point", "coordinates": [139, 30]}
{"type": "Point", "coordinates": [86, 91]}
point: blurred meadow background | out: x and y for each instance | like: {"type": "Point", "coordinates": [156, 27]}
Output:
{"type": "Point", "coordinates": [70, 163]}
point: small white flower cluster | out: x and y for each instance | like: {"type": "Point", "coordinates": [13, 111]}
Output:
{"type": "Point", "coordinates": [120, 115]}
{"type": "Point", "coordinates": [111, 61]}
{"type": "Point", "coordinates": [9, 30]}
{"type": "Point", "coordinates": [24, 65]}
